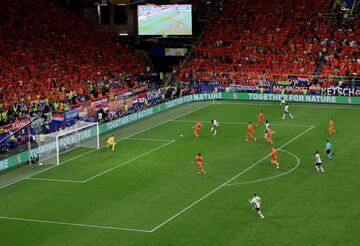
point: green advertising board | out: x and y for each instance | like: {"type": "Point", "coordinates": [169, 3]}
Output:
{"type": "Point", "coordinates": [16, 160]}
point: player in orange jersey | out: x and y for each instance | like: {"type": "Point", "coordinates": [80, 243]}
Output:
{"type": "Point", "coordinates": [274, 161]}
{"type": "Point", "coordinates": [260, 119]}
{"type": "Point", "coordinates": [269, 136]}
{"type": "Point", "coordinates": [331, 127]}
{"type": "Point", "coordinates": [250, 131]}
{"type": "Point", "coordinates": [199, 161]}
{"type": "Point", "coordinates": [197, 127]}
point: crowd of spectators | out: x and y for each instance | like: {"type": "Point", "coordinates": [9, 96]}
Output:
{"type": "Point", "coordinates": [271, 39]}
{"type": "Point", "coordinates": [343, 57]}
{"type": "Point", "coordinates": [51, 53]}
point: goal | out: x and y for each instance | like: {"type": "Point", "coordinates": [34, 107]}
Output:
{"type": "Point", "coordinates": [51, 147]}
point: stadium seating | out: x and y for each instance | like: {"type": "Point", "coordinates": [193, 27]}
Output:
{"type": "Point", "coordinates": [261, 37]}
{"type": "Point", "coordinates": [343, 56]}
{"type": "Point", "coordinates": [47, 51]}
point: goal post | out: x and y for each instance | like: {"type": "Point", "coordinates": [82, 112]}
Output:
{"type": "Point", "coordinates": [52, 147]}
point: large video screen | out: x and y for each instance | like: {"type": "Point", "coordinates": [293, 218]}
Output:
{"type": "Point", "coordinates": [165, 19]}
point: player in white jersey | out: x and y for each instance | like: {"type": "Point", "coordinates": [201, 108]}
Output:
{"type": "Point", "coordinates": [215, 126]}
{"type": "Point", "coordinates": [318, 163]}
{"type": "Point", "coordinates": [286, 111]}
{"type": "Point", "coordinates": [267, 128]}
{"type": "Point", "coordinates": [256, 202]}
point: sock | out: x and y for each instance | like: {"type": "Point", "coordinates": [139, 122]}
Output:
{"type": "Point", "coordinates": [212, 128]}
{"type": "Point", "coordinates": [215, 132]}
{"type": "Point", "coordinates": [261, 215]}
{"type": "Point", "coordinates": [322, 169]}
{"type": "Point", "coordinates": [291, 116]}
{"type": "Point", "coordinates": [317, 168]}
{"type": "Point", "coordinates": [283, 117]}
{"type": "Point", "coordinates": [330, 157]}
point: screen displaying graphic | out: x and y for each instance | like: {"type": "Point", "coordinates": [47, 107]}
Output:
{"type": "Point", "coordinates": [175, 51]}
{"type": "Point", "coordinates": [165, 19]}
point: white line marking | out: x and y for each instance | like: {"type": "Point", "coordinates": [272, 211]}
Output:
{"type": "Point", "coordinates": [227, 182]}
{"type": "Point", "coordinates": [294, 104]}
{"type": "Point", "coordinates": [119, 165]}
{"type": "Point", "coordinates": [18, 180]}
{"type": "Point", "coordinates": [161, 123]}
{"type": "Point", "coordinates": [272, 177]}
{"type": "Point", "coordinates": [126, 162]}
{"type": "Point", "coordinates": [166, 121]}
{"type": "Point", "coordinates": [57, 180]}
{"type": "Point", "coordinates": [73, 224]}
{"type": "Point", "coordinates": [238, 123]}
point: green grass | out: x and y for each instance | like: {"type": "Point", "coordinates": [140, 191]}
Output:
{"type": "Point", "coordinates": [147, 192]}
{"type": "Point", "coordinates": [164, 23]}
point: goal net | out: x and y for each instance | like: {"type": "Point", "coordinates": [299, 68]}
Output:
{"type": "Point", "coordinates": [53, 146]}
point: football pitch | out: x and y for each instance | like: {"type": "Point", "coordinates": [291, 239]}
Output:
{"type": "Point", "coordinates": [148, 192]}
{"type": "Point", "coordinates": [170, 22]}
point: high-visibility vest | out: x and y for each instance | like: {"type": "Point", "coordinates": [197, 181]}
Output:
{"type": "Point", "coordinates": [70, 95]}
{"type": "Point", "coordinates": [4, 115]}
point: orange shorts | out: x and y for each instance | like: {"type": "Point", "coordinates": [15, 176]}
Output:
{"type": "Point", "coordinates": [273, 160]}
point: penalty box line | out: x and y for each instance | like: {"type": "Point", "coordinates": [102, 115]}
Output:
{"type": "Point", "coordinates": [271, 177]}
{"type": "Point", "coordinates": [131, 135]}
{"type": "Point", "coordinates": [170, 141]}
{"type": "Point", "coordinates": [239, 123]}
{"type": "Point", "coordinates": [126, 162]}
{"type": "Point", "coordinates": [294, 104]}
{"type": "Point", "coordinates": [74, 224]}
{"type": "Point", "coordinates": [227, 182]}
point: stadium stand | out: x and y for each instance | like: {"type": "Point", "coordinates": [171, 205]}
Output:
{"type": "Point", "coordinates": [53, 60]}
{"type": "Point", "coordinates": [246, 40]}
{"type": "Point", "coordinates": [51, 53]}
{"type": "Point", "coordinates": [343, 56]}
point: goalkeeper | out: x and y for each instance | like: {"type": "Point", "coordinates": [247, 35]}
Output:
{"type": "Point", "coordinates": [111, 142]}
